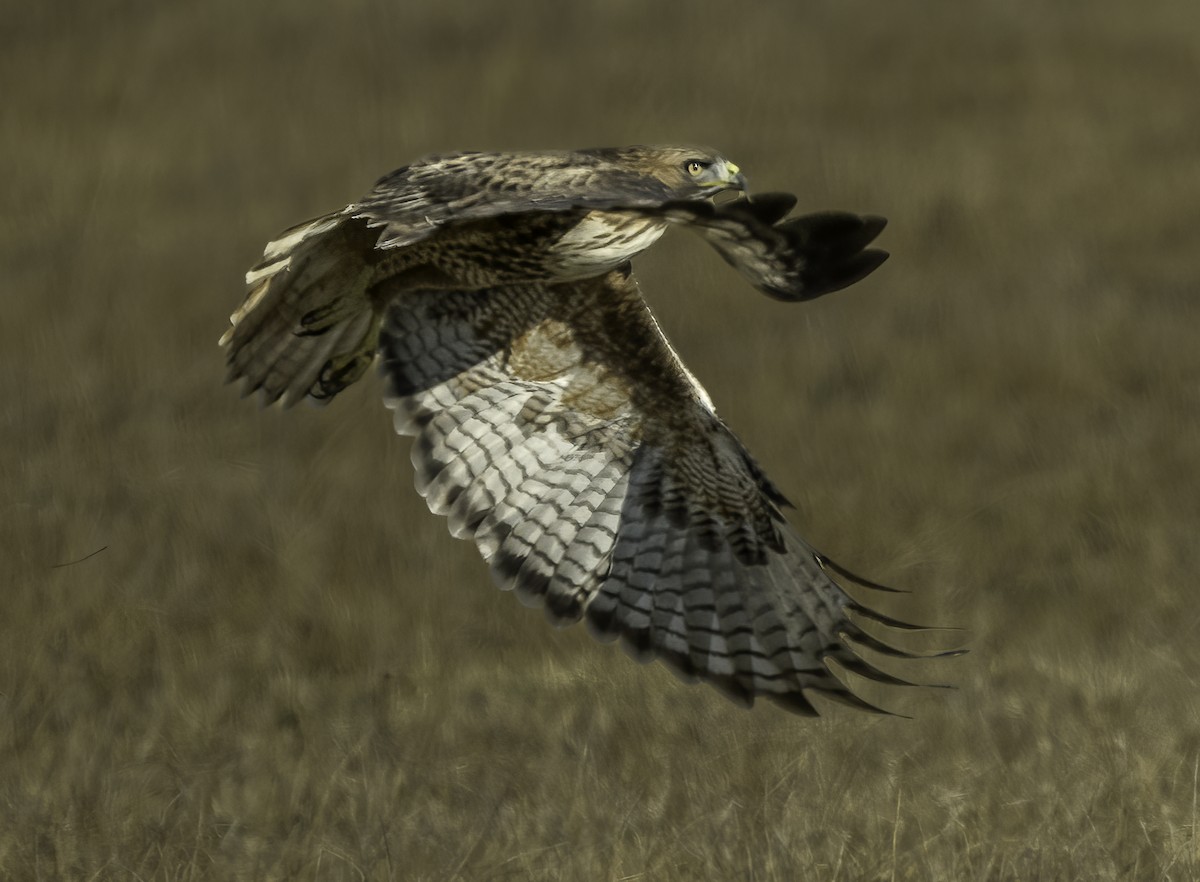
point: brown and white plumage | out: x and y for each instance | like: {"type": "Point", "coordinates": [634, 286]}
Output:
{"type": "Point", "coordinates": [309, 325]}
{"type": "Point", "coordinates": [554, 424]}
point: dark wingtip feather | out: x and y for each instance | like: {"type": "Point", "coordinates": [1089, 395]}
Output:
{"type": "Point", "coordinates": [878, 645]}
{"type": "Point", "coordinates": [827, 563]}
{"type": "Point", "coordinates": [857, 268]}
{"type": "Point", "coordinates": [733, 689]}
{"type": "Point", "coordinates": [865, 669]}
{"type": "Point", "coordinates": [873, 225]}
{"type": "Point", "coordinates": [766, 208]}
{"type": "Point", "coordinates": [828, 253]}
{"type": "Point", "coordinates": [899, 625]}
{"type": "Point", "coordinates": [862, 668]}
{"type": "Point", "coordinates": [794, 702]}
{"type": "Point", "coordinates": [836, 232]}
{"type": "Point", "coordinates": [849, 699]}
{"type": "Point", "coordinates": [824, 274]}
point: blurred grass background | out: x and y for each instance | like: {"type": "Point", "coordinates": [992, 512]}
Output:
{"type": "Point", "coordinates": [282, 667]}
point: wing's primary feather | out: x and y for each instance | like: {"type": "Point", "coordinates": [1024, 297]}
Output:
{"type": "Point", "coordinates": [800, 258]}
{"type": "Point", "coordinates": [557, 429]}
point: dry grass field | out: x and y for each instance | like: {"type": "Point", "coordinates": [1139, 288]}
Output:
{"type": "Point", "coordinates": [282, 667]}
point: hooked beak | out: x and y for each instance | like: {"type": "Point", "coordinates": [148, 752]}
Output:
{"type": "Point", "coordinates": [734, 179]}
{"type": "Point", "coordinates": [721, 177]}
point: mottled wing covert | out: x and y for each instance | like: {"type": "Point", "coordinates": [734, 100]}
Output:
{"type": "Point", "coordinates": [413, 202]}
{"type": "Point", "coordinates": [555, 427]}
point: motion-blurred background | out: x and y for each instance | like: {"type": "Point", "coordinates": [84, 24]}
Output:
{"type": "Point", "coordinates": [282, 667]}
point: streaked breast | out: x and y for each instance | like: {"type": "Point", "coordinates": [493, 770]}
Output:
{"type": "Point", "coordinates": [602, 241]}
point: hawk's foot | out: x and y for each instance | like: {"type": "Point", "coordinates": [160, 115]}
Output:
{"type": "Point", "coordinates": [317, 321]}
{"type": "Point", "coordinates": [340, 372]}
{"type": "Point", "coordinates": [345, 368]}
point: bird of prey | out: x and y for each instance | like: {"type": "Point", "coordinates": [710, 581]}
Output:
{"type": "Point", "coordinates": [555, 425]}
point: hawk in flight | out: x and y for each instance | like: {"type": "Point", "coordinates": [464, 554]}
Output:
{"type": "Point", "coordinates": [555, 425]}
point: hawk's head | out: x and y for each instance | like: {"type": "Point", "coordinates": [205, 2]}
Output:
{"type": "Point", "coordinates": [690, 172]}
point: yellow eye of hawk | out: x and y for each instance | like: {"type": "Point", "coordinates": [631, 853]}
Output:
{"type": "Point", "coordinates": [695, 166]}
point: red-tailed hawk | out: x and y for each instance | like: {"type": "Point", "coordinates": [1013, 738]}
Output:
{"type": "Point", "coordinates": [554, 423]}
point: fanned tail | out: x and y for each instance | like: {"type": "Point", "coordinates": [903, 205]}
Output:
{"type": "Point", "coordinates": [307, 327]}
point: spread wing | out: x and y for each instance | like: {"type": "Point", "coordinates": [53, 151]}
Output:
{"type": "Point", "coordinates": [557, 429]}
{"type": "Point", "coordinates": [413, 202]}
